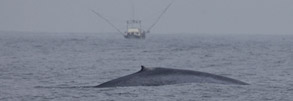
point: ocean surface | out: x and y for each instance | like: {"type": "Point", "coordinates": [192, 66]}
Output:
{"type": "Point", "coordinates": [57, 66]}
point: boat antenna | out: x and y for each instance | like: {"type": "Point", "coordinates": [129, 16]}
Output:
{"type": "Point", "coordinates": [108, 21]}
{"type": "Point", "coordinates": [158, 19]}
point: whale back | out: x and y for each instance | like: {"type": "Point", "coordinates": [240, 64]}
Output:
{"type": "Point", "coordinates": [156, 76]}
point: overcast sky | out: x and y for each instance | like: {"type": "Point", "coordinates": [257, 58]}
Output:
{"type": "Point", "coordinates": [184, 16]}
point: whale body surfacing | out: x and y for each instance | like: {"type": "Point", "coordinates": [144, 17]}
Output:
{"type": "Point", "coordinates": [157, 76]}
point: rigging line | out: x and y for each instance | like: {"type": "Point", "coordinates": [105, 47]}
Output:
{"type": "Point", "coordinates": [98, 14]}
{"type": "Point", "coordinates": [165, 10]}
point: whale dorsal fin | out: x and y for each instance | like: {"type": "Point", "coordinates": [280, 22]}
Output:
{"type": "Point", "coordinates": [143, 68]}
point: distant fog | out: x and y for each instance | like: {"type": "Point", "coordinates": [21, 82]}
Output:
{"type": "Point", "coordinates": [184, 16]}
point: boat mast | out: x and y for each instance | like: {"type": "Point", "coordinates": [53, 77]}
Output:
{"type": "Point", "coordinates": [133, 9]}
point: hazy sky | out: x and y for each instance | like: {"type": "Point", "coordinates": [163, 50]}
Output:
{"type": "Point", "coordinates": [187, 16]}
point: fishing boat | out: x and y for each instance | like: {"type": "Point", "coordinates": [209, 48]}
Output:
{"type": "Point", "coordinates": [134, 29]}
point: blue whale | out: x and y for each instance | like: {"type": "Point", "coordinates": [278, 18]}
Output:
{"type": "Point", "coordinates": [157, 76]}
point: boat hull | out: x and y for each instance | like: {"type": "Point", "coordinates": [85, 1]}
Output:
{"type": "Point", "coordinates": [134, 36]}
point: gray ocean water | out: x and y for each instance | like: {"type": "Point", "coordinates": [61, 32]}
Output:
{"type": "Point", "coordinates": [52, 66]}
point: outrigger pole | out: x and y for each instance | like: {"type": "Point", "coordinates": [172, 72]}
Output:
{"type": "Point", "coordinates": [158, 19]}
{"type": "Point", "coordinates": [108, 21]}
